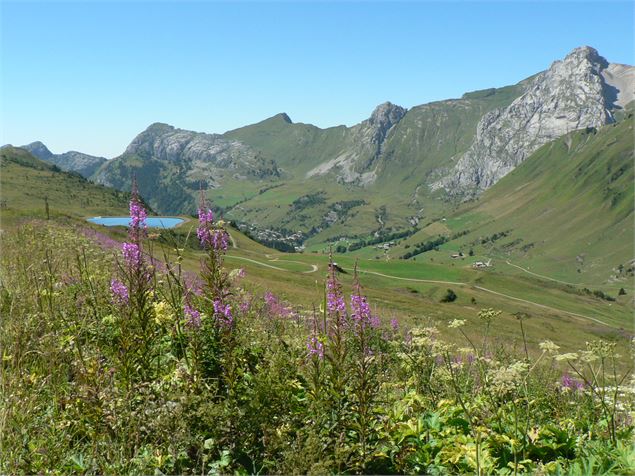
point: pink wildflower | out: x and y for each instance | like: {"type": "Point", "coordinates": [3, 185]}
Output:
{"type": "Point", "coordinates": [119, 292]}
{"type": "Point", "coordinates": [223, 313]}
{"type": "Point", "coordinates": [315, 347]}
{"type": "Point", "coordinates": [193, 315]}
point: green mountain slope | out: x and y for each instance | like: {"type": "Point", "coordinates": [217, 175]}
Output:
{"type": "Point", "coordinates": [295, 147]}
{"type": "Point", "coordinates": [566, 212]}
{"type": "Point", "coordinates": [570, 206]}
{"type": "Point", "coordinates": [424, 139]}
{"type": "Point", "coordinates": [393, 172]}
{"type": "Point", "coordinates": [26, 181]}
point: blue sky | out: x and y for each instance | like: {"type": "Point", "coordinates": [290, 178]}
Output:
{"type": "Point", "coordinates": [89, 76]}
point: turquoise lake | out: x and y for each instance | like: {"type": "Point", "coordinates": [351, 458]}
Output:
{"type": "Point", "coordinates": [152, 222]}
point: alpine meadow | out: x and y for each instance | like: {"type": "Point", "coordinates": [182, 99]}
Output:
{"type": "Point", "coordinates": [443, 288]}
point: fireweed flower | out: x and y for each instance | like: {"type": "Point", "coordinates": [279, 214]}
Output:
{"type": "Point", "coordinates": [193, 316]}
{"type": "Point", "coordinates": [219, 240]}
{"type": "Point", "coordinates": [208, 235]}
{"type": "Point", "coordinates": [568, 383]}
{"type": "Point", "coordinates": [138, 217]}
{"type": "Point", "coordinates": [137, 229]}
{"type": "Point", "coordinates": [277, 307]}
{"type": "Point", "coordinates": [394, 324]}
{"type": "Point", "coordinates": [334, 299]}
{"type": "Point", "coordinates": [315, 347]}
{"type": "Point", "coordinates": [131, 254]}
{"type": "Point", "coordinates": [360, 310]}
{"type": "Point", "coordinates": [119, 292]}
{"type": "Point", "coordinates": [223, 313]}
{"type": "Point", "coordinates": [244, 306]}
{"type": "Point", "coordinates": [205, 223]}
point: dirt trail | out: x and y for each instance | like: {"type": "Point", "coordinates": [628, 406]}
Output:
{"type": "Point", "coordinates": [507, 296]}
{"type": "Point", "coordinates": [553, 279]}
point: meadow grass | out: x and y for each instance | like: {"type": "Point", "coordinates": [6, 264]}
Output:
{"type": "Point", "coordinates": [127, 363]}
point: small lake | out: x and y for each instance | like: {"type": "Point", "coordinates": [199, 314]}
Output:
{"type": "Point", "coordinates": [152, 222]}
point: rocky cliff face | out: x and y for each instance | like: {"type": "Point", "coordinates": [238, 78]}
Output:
{"type": "Point", "coordinates": [171, 164]}
{"type": "Point", "coordinates": [356, 162]}
{"type": "Point", "coordinates": [383, 118]}
{"type": "Point", "coordinates": [572, 94]}
{"type": "Point", "coordinates": [167, 143]}
{"type": "Point", "coordinates": [73, 161]}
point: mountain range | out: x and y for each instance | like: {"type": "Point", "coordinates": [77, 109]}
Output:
{"type": "Point", "coordinates": [393, 171]}
{"type": "Point", "coordinates": [71, 161]}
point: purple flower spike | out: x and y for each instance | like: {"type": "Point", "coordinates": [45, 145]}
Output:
{"type": "Point", "coordinates": [360, 311]}
{"type": "Point", "coordinates": [570, 383]}
{"type": "Point", "coordinates": [334, 299]}
{"type": "Point", "coordinates": [315, 347]}
{"type": "Point", "coordinates": [193, 316]}
{"type": "Point", "coordinates": [223, 313]}
{"type": "Point", "coordinates": [131, 254]}
{"type": "Point", "coordinates": [119, 292]}
{"type": "Point", "coordinates": [276, 307]}
{"type": "Point", "coordinates": [208, 236]}
{"type": "Point", "coordinates": [138, 216]}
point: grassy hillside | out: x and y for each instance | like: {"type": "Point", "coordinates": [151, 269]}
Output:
{"type": "Point", "coordinates": [25, 183]}
{"type": "Point", "coordinates": [422, 142]}
{"type": "Point", "coordinates": [160, 182]}
{"type": "Point", "coordinates": [295, 147]}
{"type": "Point", "coordinates": [566, 212]}
{"type": "Point", "coordinates": [113, 365]}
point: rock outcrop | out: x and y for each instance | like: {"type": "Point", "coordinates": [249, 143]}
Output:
{"type": "Point", "coordinates": [72, 161]}
{"type": "Point", "coordinates": [167, 143]}
{"type": "Point", "coordinates": [356, 162]}
{"type": "Point", "coordinates": [572, 94]}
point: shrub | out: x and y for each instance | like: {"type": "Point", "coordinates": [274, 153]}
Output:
{"type": "Point", "coordinates": [450, 296]}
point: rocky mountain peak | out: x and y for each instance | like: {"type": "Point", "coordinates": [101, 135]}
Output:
{"type": "Point", "coordinates": [159, 128]}
{"type": "Point", "coordinates": [39, 150]}
{"type": "Point", "coordinates": [383, 118]}
{"type": "Point", "coordinates": [387, 114]}
{"type": "Point", "coordinates": [84, 164]}
{"type": "Point", "coordinates": [572, 94]}
{"type": "Point", "coordinates": [586, 54]}
{"type": "Point", "coordinates": [285, 117]}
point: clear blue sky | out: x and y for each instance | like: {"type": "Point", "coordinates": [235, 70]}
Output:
{"type": "Point", "coordinates": [90, 76]}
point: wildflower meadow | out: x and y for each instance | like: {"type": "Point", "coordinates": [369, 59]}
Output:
{"type": "Point", "coordinates": [115, 360]}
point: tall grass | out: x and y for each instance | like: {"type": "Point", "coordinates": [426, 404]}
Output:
{"type": "Point", "coordinates": [118, 362]}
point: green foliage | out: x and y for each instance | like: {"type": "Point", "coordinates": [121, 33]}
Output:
{"type": "Point", "coordinates": [450, 296]}
{"type": "Point", "coordinates": [27, 183]}
{"type": "Point", "coordinates": [425, 247]}
{"type": "Point", "coordinates": [90, 385]}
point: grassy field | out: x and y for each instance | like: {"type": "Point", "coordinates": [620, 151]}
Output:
{"type": "Point", "coordinates": [96, 379]}
{"type": "Point", "coordinates": [409, 290]}
{"type": "Point", "coordinates": [565, 214]}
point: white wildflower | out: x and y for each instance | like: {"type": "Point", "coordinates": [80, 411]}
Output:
{"type": "Point", "coordinates": [456, 323]}
{"type": "Point", "coordinates": [549, 347]}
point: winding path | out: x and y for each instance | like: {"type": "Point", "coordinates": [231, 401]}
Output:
{"type": "Point", "coordinates": [257, 262]}
{"type": "Point", "coordinates": [488, 291]}
{"type": "Point", "coordinates": [314, 268]}
{"type": "Point", "coordinates": [553, 279]}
